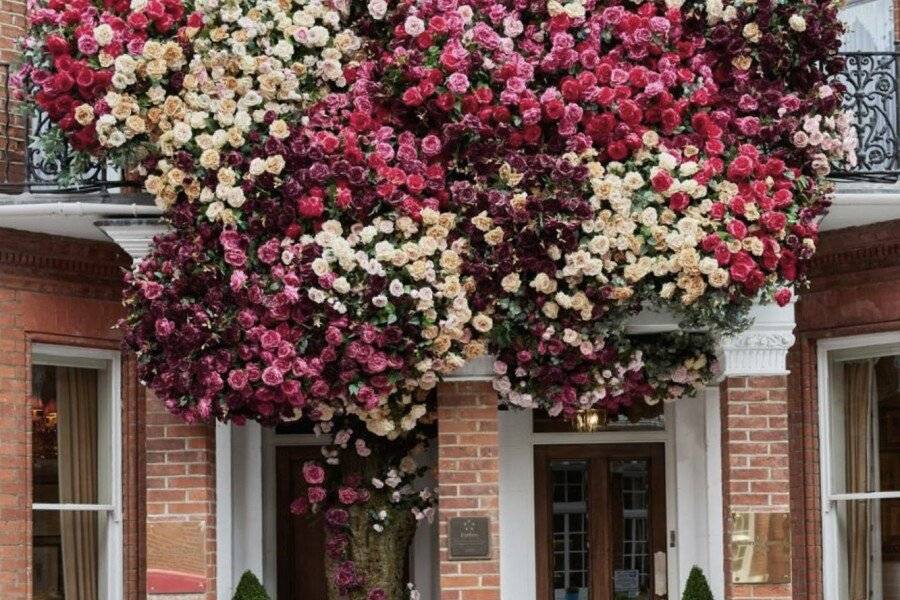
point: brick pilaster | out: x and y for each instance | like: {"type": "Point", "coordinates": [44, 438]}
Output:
{"type": "Point", "coordinates": [755, 466]}
{"type": "Point", "coordinates": [181, 505]}
{"type": "Point", "coordinates": [468, 476]}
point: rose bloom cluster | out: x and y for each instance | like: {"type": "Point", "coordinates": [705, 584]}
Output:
{"type": "Point", "coordinates": [316, 313]}
{"type": "Point", "coordinates": [72, 51]}
{"type": "Point", "coordinates": [363, 197]}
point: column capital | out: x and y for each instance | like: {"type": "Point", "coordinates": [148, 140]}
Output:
{"type": "Point", "coordinates": [133, 235]}
{"type": "Point", "coordinates": [763, 348]}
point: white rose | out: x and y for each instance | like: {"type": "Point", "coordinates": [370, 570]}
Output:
{"type": "Point", "coordinates": [103, 34]}
{"type": "Point", "coordinates": [377, 8]}
{"type": "Point", "coordinates": [797, 23]}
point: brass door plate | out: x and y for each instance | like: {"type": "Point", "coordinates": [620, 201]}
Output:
{"type": "Point", "coordinates": [470, 538]}
{"type": "Point", "coordinates": [760, 547]}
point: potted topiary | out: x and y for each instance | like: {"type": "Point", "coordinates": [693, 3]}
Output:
{"type": "Point", "coordinates": [697, 588]}
{"type": "Point", "coordinates": [249, 588]}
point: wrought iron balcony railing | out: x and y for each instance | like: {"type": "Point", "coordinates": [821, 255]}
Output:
{"type": "Point", "coordinates": [24, 167]}
{"type": "Point", "coordinates": [871, 81]}
{"type": "Point", "coordinates": [872, 95]}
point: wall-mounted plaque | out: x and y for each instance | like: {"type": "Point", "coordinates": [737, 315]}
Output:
{"type": "Point", "coordinates": [470, 538]}
{"type": "Point", "coordinates": [760, 547]}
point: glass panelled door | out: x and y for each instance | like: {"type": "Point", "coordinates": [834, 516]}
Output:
{"type": "Point", "coordinates": [600, 522]}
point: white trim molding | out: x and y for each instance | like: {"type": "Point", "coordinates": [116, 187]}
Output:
{"type": "Point", "coordinates": [133, 235]}
{"type": "Point", "coordinates": [762, 349]}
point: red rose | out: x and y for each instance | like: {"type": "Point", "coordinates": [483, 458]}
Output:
{"type": "Point", "coordinates": [737, 228]}
{"type": "Point", "coordinates": [310, 207]}
{"type": "Point", "coordinates": [788, 265]}
{"type": "Point", "coordinates": [742, 265]}
{"type": "Point", "coordinates": [661, 181]}
{"type": "Point", "coordinates": [717, 211]}
{"type": "Point", "coordinates": [740, 168]}
{"type": "Point", "coordinates": [57, 45]}
{"type": "Point", "coordinates": [773, 221]}
{"type": "Point", "coordinates": [412, 97]}
{"type": "Point", "coordinates": [554, 109]}
{"type": "Point", "coordinates": [415, 183]}
{"type": "Point", "coordinates": [679, 201]}
{"type": "Point", "coordinates": [617, 151]}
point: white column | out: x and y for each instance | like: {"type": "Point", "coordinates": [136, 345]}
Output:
{"type": "Point", "coordinates": [517, 535]}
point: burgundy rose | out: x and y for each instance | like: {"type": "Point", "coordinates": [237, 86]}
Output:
{"type": "Point", "coordinates": [337, 517]}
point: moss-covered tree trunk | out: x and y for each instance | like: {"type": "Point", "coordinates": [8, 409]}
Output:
{"type": "Point", "coordinates": [379, 559]}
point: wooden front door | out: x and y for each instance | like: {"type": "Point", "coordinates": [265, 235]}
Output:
{"type": "Point", "coordinates": [600, 522]}
{"type": "Point", "coordinates": [301, 540]}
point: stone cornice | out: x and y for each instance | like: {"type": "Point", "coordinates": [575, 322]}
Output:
{"type": "Point", "coordinates": [44, 263]}
{"type": "Point", "coordinates": [849, 251]}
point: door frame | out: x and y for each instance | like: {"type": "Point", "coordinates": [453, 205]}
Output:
{"type": "Point", "coordinates": [600, 562]}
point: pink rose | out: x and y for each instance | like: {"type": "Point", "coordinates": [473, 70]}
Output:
{"type": "Point", "coordinates": [164, 327]}
{"type": "Point", "coordinates": [316, 494]}
{"type": "Point", "coordinates": [151, 290]}
{"type": "Point", "coordinates": [347, 495]}
{"type": "Point", "coordinates": [272, 376]}
{"type": "Point", "coordinates": [299, 506]}
{"type": "Point", "coordinates": [313, 473]}
{"type": "Point", "coordinates": [737, 228]}
{"type": "Point", "coordinates": [458, 83]}
{"type": "Point", "coordinates": [237, 379]}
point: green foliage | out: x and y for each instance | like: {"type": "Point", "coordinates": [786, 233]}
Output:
{"type": "Point", "coordinates": [250, 588]}
{"type": "Point", "coordinates": [697, 587]}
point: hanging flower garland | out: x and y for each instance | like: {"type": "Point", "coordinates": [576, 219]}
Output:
{"type": "Point", "coordinates": [364, 196]}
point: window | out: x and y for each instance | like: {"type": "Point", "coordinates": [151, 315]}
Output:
{"type": "Point", "coordinates": [76, 489]}
{"type": "Point", "coordinates": [570, 529]}
{"type": "Point", "coordinates": [859, 386]}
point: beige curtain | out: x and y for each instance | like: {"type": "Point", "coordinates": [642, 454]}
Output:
{"type": "Point", "coordinates": [76, 401]}
{"type": "Point", "coordinates": [858, 386]}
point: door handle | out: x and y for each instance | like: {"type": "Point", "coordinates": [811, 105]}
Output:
{"type": "Point", "coordinates": [660, 575]}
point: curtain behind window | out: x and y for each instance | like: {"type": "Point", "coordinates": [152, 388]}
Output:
{"type": "Point", "coordinates": [76, 395]}
{"type": "Point", "coordinates": [858, 386]}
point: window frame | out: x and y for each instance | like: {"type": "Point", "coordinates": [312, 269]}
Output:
{"type": "Point", "coordinates": [108, 363]}
{"type": "Point", "coordinates": [857, 347]}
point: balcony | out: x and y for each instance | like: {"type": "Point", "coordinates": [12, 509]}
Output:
{"type": "Point", "coordinates": [23, 166]}
{"type": "Point", "coordinates": [871, 81]}
{"type": "Point", "coordinates": [870, 78]}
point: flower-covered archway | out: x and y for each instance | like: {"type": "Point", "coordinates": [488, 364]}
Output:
{"type": "Point", "coordinates": [364, 196]}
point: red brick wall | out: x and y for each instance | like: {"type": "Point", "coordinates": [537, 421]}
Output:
{"type": "Point", "coordinates": [855, 277]}
{"type": "Point", "coordinates": [12, 139]}
{"type": "Point", "coordinates": [57, 290]}
{"type": "Point", "coordinates": [468, 479]}
{"type": "Point", "coordinates": [181, 488]}
{"type": "Point", "coordinates": [755, 462]}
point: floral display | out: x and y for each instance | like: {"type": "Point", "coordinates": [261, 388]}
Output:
{"type": "Point", "coordinates": [364, 196]}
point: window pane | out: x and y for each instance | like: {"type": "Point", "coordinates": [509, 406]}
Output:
{"type": "Point", "coordinates": [570, 526]}
{"type": "Point", "coordinates": [66, 550]}
{"type": "Point", "coordinates": [865, 427]}
{"type": "Point", "coordinates": [870, 552]}
{"type": "Point", "coordinates": [630, 482]}
{"type": "Point", "coordinates": [68, 420]}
